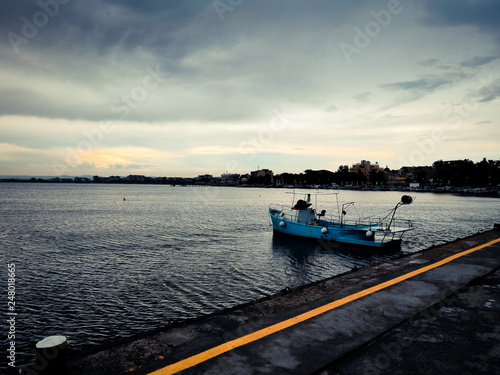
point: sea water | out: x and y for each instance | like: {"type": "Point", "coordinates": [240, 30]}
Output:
{"type": "Point", "coordinates": [98, 263]}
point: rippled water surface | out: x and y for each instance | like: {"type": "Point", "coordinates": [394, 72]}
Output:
{"type": "Point", "coordinates": [96, 268]}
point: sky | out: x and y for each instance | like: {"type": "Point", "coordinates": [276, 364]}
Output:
{"type": "Point", "coordinates": [183, 88]}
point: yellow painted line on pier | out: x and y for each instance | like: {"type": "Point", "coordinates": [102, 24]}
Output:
{"type": "Point", "coordinates": [226, 347]}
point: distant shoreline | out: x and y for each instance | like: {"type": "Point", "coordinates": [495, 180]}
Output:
{"type": "Point", "coordinates": [477, 191]}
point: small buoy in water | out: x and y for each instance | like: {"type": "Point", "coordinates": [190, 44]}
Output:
{"type": "Point", "coordinates": [124, 199]}
{"type": "Point", "coordinates": [282, 224]}
{"type": "Point", "coordinates": [324, 230]}
{"type": "Point", "coordinates": [369, 234]}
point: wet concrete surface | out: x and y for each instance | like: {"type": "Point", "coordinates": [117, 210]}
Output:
{"type": "Point", "coordinates": [458, 335]}
{"type": "Point", "coordinates": [441, 321]}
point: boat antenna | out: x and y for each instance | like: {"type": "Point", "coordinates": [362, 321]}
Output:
{"type": "Point", "coordinates": [405, 199]}
{"type": "Point", "coordinates": [338, 207]}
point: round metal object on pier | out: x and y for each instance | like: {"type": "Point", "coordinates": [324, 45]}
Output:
{"type": "Point", "coordinates": [51, 356]}
{"type": "Point", "coordinates": [51, 342]}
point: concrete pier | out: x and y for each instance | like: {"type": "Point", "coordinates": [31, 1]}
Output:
{"type": "Point", "coordinates": [430, 312]}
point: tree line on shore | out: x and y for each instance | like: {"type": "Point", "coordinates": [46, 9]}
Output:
{"type": "Point", "coordinates": [464, 173]}
{"type": "Point", "coordinates": [453, 173]}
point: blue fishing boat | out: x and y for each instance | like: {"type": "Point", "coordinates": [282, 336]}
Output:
{"type": "Point", "coordinates": [302, 220]}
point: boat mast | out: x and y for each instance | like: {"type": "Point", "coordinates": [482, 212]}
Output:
{"type": "Point", "coordinates": [405, 199]}
{"type": "Point", "coordinates": [344, 207]}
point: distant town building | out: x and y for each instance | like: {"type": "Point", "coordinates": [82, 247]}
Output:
{"type": "Point", "coordinates": [82, 179]}
{"type": "Point", "coordinates": [261, 173]}
{"type": "Point", "coordinates": [365, 167]}
{"type": "Point", "coordinates": [203, 179]}
{"type": "Point", "coordinates": [135, 178]}
{"type": "Point", "coordinates": [261, 177]}
{"type": "Point", "coordinates": [230, 178]}
{"type": "Point", "coordinates": [61, 179]}
{"type": "Point", "coordinates": [420, 174]}
{"type": "Point", "coordinates": [115, 179]}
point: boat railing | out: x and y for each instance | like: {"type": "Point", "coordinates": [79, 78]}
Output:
{"type": "Point", "coordinates": [373, 224]}
{"type": "Point", "coordinates": [383, 226]}
{"type": "Point", "coordinates": [280, 208]}
{"type": "Point", "coordinates": [276, 207]}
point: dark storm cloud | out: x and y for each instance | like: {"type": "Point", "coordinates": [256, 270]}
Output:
{"type": "Point", "coordinates": [226, 68]}
{"type": "Point", "coordinates": [428, 62]}
{"type": "Point", "coordinates": [410, 91]}
{"type": "Point", "coordinates": [73, 59]}
{"type": "Point", "coordinates": [421, 85]}
{"type": "Point", "coordinates": [481, 13]}
{"type": "Point", "coordinates": [81, 13]}
{"type": "Point", "coordinates": [478, 61]}
{"type": "Point", "coordinates": [97, 24]}
{"type": "Point", "coordinates": [237, 66]}
{"type": "Point", "coordinates": [94, 23]}
{"type": "Point", "coordinates": [489, 92]}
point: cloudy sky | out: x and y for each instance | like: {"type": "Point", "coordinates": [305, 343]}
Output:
{"type": "Point", "coordinates": [181, 88]}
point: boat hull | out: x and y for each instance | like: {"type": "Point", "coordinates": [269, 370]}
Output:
{"type": "Point", "coordinates": [327, 231]}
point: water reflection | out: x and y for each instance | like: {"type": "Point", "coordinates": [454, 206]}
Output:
{"type": "Point", "coordinates": [309, 259]}
{"type": "Point", "coordinates": [295, 248]}
{"type": "Point", "coordinates": [302, 247]}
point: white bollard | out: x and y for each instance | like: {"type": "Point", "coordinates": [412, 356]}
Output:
{"type": "Point", "coordinates": [50, 357]}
